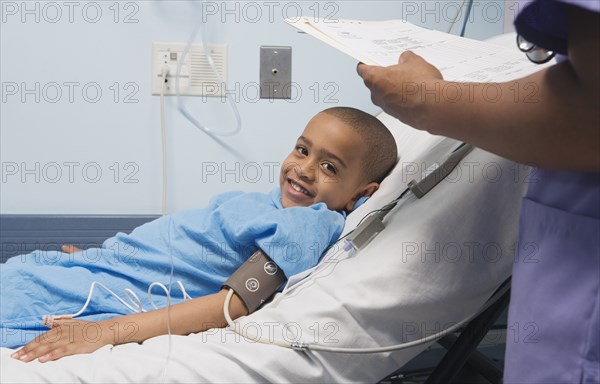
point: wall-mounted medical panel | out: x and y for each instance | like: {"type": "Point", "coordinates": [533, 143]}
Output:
{"type": "Point", "coordinates": [196, 76]}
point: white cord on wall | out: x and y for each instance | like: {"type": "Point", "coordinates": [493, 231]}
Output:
{"type": "Point", "coordinates": [163, 128]}
{"type": "Point", "coordinates": [458, 12]}
{"type": "Point", "coordinates": [182, 108]}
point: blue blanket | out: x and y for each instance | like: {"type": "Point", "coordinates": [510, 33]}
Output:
{"type": "Point", "coordinates": [204, 247]}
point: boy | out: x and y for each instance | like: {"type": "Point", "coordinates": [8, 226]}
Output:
{"type": "Point", "coordinates": [342, 155]}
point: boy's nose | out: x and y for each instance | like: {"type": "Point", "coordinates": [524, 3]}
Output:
{"type": "Point", "coordinates": [305, 171]}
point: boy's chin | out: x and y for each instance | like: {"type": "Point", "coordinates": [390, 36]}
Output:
{"type": "Point", "coordinates": [288, 202]}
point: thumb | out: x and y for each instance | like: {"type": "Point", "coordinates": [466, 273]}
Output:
{"type": "Point", "coordinates": [362, 69]}
{"type": "Point", "coordinates": [367, 72]}
{"type": "Point", "coordinates": [407, 56]}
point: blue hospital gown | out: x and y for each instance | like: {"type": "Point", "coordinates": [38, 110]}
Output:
{"type": "Point", "coordinates": [207, 246]}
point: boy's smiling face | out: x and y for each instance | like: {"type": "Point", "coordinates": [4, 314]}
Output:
{"type": "Point", "coordinates": [326, 166]}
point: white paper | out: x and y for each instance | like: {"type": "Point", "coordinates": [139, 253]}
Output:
{"type": "Point", "coordinates": [382, 42]}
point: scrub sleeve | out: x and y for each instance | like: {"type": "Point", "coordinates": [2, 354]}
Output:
{"type": "Point", "coordinates": [553, 324]}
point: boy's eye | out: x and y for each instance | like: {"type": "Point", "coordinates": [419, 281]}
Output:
{"type": "Point", "coordinates": [302, 150]}
{"type": "Point", "coordinates": [330, 168]}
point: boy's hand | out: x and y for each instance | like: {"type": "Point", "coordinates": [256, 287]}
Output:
{"type": "Point", "coordinates": [68, 337]}
{"type": "Point", "coordinates": [69, 248]}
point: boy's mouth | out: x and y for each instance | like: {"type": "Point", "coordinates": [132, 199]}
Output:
{"type": "Point", "coordinates": [299, 188]}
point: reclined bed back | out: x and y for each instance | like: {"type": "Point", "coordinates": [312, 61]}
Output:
{"type": "Point", "coordinates": [436, 263]}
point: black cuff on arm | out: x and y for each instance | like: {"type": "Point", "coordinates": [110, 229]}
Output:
{"type": "Point", "coordinates": [256, 280]}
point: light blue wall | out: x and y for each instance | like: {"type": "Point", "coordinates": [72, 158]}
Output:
{"type": "Point", "coordinates": [78, 137]}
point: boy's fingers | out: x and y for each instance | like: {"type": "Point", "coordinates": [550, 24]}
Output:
{"type": "Point", "coordinates": [26, 354]}
{"type": "Point", "coordinates": [54, 355]}
{"type": "Point", "coordinates": [17, 355]}
{"type": "Point", "coordinates": [36, 353]}
{"type": "Point", "coordinates": [69, 248]}
{"type": "Point", "coordinates": [26, 350]}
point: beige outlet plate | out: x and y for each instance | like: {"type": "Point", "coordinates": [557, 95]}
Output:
{"type": "Point", "coordinates": [197, 77]}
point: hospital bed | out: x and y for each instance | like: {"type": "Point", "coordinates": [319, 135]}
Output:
{"type": "Point", "coordinates": [438, 261]}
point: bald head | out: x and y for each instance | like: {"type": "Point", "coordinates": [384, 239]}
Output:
{"type": "Point", "coordinates": [381, 153]}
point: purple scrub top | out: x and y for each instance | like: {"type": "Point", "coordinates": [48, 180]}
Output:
{"type": "Point", "coordinates": [553, 333]}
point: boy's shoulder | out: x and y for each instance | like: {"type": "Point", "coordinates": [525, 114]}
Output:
{"type": "Point", "coordinates": [242, 196]}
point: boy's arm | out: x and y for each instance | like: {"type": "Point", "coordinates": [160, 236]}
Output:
{"type": "Point", "coordinates": [72, 336]}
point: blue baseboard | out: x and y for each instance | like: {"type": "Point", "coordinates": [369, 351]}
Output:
{"type": "Point", "coordinates": [21, 234]}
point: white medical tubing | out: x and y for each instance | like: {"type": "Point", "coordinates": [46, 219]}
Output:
{"type": "Point", "coordinates": [49, 318]}
{"type": "Point", "coordinates": [134, 305]}
{"type": "Point", "coordinates": [168, 291]}
{"type": "Point", "coordinates": [163, 129]}
{"type": "Point", "coordinates": [458, 12]}
{"type": "Point", "coordinates": [245, 335]}
{"type": "Point", "coordinates": [182, 108]}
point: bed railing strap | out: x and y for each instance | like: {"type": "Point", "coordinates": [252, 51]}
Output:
{"type": "Point", "coordinates": [422, 187]}
{"type": "Point", "coordinates": [371, 225]}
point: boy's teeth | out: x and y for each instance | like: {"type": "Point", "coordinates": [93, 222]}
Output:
{"type": "Point", "coordinates": [299, 188]}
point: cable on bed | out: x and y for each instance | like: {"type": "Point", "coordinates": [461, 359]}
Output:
{"type": "Point", "coordinates": [369, 227]}
{"type": "Point", "coordinates": [302, 346]}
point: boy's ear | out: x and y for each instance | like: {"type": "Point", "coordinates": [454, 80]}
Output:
{"type": "Point", "coordinates": [365, 191]}
{"type": "Point", "coordinates": [370, 189]}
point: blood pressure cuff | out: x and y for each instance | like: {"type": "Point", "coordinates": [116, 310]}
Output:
{"type": "Point", "coordinates": [256, 280]}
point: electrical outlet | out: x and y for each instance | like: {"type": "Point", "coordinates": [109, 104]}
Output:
{"type": "Point", "coordinates": [197, 77]}
{"type": "Point", "coordinates": [275, 72]}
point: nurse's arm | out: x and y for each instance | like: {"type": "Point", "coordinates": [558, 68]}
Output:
{"type": "Point", "coordinates": [548, 119]}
